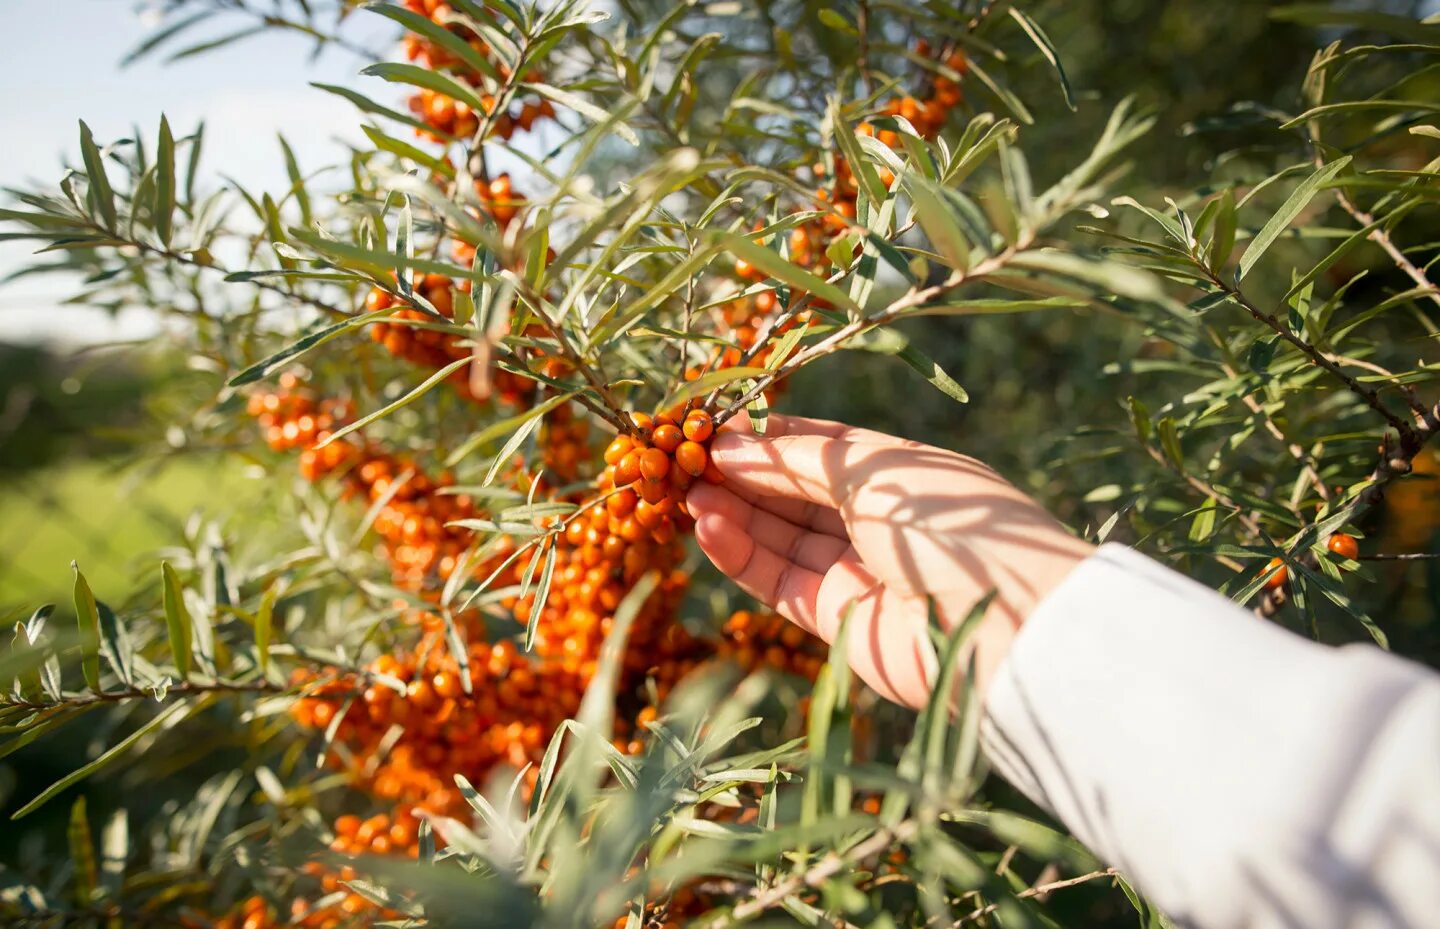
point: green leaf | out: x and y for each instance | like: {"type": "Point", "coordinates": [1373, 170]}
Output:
{"type": "Point", "coordinates": [87, 617]}
{"type": "Point", "coordinates": [1202, 527]}
{"type": "Point", "coordinates": [82, 854]}
{"type": "Point", "coordinates": [297, 180]}
{"type": "Point", "coordinates": [115, 644]}
{"type": "Point", "coordinates": [416, 76]}
{"type": "Point", "coordinates": [366, 105]}
{"type": "Point", "coordinates": [101, 196]}
{"type": "Point", "coordinates": [991, 306]}
{"type": "Point", "coordinates": [439, 34]}
{"type": "Point", "coordinates": [585, 108]}
{"type": "Point", "coordinates": [262, 369]}
{"type": "Point", "coordinates": [932, 210]}
{"type": "Point", "coordinates": [934, 375]}
{"type": "Point", "coordinates": [167, 717]}
{"type": "Point", "coordinates": [771, 263]}
{"type": "Point", "coordinates": [177, 620]}
{"type": "Point", "coordinates": [420, 391]}
{"type": "Point", "coordinates": [165, 183]}
{"type": "Point", "coordinates": [1047, 48]}
{"type": "Point", "coordinates": [709, 381]}
{"type": "Point", "coordinates": [264, 624]}
{"type": "Point", "coordinates": [1222, 243]}
{"type": "Point", "coordinates": [1324, 14]}
{"type": "Point", "coordinates": [1292, 208]}
{"type": "Point", "coordinates": [493, 431]}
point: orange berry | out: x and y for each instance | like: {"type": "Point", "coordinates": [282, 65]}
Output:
{"type": "Point", "coordinates": [618, 447]}
{"type": "Point", "coordinates": [1277, 573]}
{"type": "Point", "coordinates": [1346, 546]}
{"type": "Point", "coordinates": [654, 465]}
{"type": "Point", "coordinates": [621, 503]}
{"type": "Point", "coordinates": [699, 426]}
{"type": "Point", "coordinates": [667, 437]}
{"type": "Point", "coordinates": [692, 458]}
{"type": "Point", "coordinates": [627, 470]}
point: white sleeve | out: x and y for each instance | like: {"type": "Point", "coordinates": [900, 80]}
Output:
{"type": "Point", "coordinates": [1239, 775]}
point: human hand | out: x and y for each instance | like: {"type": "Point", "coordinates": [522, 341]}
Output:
{"type": "Point", "coordinates": [815, 515]}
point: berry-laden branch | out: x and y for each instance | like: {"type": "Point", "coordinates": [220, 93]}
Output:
{"type": "Point", "coordinates": [913, 298]}
{"type": "Point", "coordinates": [1394, 462]}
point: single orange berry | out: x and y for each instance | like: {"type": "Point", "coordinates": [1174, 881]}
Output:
{"type": "Point", "coordinates": [621, 503]}
{"type": "Point", "coordinates": [667, 437]}
{"type": "Point", "coordinates": [699, 426]}
{"type": "Point", "coordinates": [642, 421]}
{"type": "Point", "coordinates": [618, 448]}
{"type": "Point", "coordinates": [692, 458]}
{"type": "Point", "coordinates": [654, 465]}
{"type": "Point", "coordinates": [1277, 573]}
{"type": "Point", "coordinates": [1346, 546]}
{"type": "Point", "coordinates": [627, 469]}
{"type": "Point", "coordinates": [712, 474]}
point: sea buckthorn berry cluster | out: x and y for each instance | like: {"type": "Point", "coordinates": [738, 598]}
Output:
{"type": "Point", "coordinates": [293, 417]}
{"type": "Point", "coordinates": [253, 913]}
{"type": "Point", "coordinates": [457, 118]}
{"type": "Point", "coordinates": [434, 348]}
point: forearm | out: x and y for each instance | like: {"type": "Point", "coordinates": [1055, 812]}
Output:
{"type": "Point", "coordinates": [1239, 774]}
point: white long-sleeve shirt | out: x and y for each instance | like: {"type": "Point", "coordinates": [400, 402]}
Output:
{"type": "Point", "coordinates": [1239, 775]}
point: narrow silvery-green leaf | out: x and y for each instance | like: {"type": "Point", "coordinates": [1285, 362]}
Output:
{"type": "Point", "coordinates": [264, 623]}
{"type": "Point", "coordinates": [101, 195]}
{"type": "Point", "coordinates": [164, 183]}
{"type": "Point", "coordinates": [777, 267]}
{"type": "Point", "coordinates": [1298, 200]}
{"type": "Point", "coordinates": [177, 619]}
{"type": "Point", "coordinates": [87, 616]}
{"type": "Point", "coordinates": [82, 854]}
{"type": "Point", "coordinates": [167, 717]}
{"type": "Point", "coordinates": [406, 400]}
{"type": "Point", "coordinates": [115, 643]}
{"type": "Point", "coordinates": [1047, 48]}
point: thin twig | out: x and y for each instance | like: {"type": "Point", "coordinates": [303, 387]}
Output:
{"type": "Point", "coordinates": [1317, 357]}
{"type": "Point", "coordinates": [832, 864]}
{"type": "Point", "coordinates": [1037, 891]}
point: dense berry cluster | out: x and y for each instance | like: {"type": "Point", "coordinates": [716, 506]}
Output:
{"type": "Point", "coordinates": [459, 696]}
{"type": "Point", "coordinates": [457, 118]}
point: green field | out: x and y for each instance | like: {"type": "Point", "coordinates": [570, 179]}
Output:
{"type": "Point", "coordinates": [111, 519]}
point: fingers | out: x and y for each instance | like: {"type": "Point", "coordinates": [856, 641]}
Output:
{"type": "Point", "coordinates": [887, 640]}
{"type": "Point", "coordinates": [777, 425]}
{"type": "Point", "coordinates": [813, 468]}
{"type": "Point", "coordinates": [815, 550]}
{"type": "Point", "coordinates": [785, 585]}
{"type": "Point", "coordinates": [801, 513]}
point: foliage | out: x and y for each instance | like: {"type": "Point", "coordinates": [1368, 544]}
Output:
{"type": "Point", "coordinates": [478, 677]}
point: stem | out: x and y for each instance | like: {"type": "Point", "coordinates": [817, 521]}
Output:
{"type": "Point", "coordinates": [1318, 358]}
{"type": "Point", "coordinates": [135, 693]}
{"type": "Point", "coordinates": [1039, 890]}
{"type": "Point", "coordinates": [914, 297]}
{"type": "Point", "coordinates": [826, 868]}
{"type": "Point", "coordinates": [1382, 238]}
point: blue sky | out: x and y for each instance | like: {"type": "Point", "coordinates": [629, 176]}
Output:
{"type": "Point", "coordinates": [63, 64]}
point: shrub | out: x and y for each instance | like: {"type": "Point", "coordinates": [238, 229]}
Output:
{"type": "Point", "coordinates": [474, 673]}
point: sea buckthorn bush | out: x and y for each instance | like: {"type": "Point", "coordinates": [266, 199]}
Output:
{"type": "Point", "coordinates": [467, 667]}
